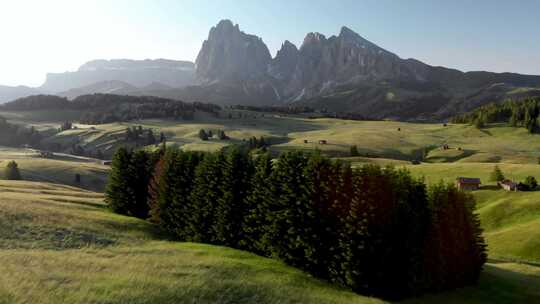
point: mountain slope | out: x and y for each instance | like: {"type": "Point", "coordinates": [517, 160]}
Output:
{"type": "Point", "coordinates": [8, 93]}
{"type": "Point", "coordinates": [137, 73]}
{"type": "Point", "coordinates": [59, 244]}
{"type": "Point", "coordinates": [344, 73]}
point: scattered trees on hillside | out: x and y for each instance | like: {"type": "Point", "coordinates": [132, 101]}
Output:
{"type": "Point", "coordinates": [13, 135]}
{"type": "Point", "coordinates": [108, 108]}
{"type": "Point", "coordinates": [376, 230]}
{"type": "Point", "coordinates": [206, 135]}
{"type": "Point", "coordinates": [523, 113]}
{"type": "Point", "coordinates": [221, 135]}
{"type": "Point", "coordinates": [203, 135]}
{"type": "Point", "coordinates": [67, 125]}
{"type": "Point", "coordinates": [140, 136]}
{"type": "Point", "coordinates": [257, 143]}
{"type": "Point", "coordinates": [12, 172]}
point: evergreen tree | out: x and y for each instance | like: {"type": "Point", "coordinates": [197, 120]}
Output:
{"type": "Point", "coordinates": [206, 192]}
{"type": "Point", "coordinates": [150, 138]}
{"type": "Point", "coordinates": [12, 171]}
{"type": "Point", "coordinates": [259, 203]}
{"type": "Point", "coordinates": [203, 135]}
{"type": "Point", "coordinates": [287, 213]}
{"type": "Point", "coordinates": [119, 194]}
{"type": "Point", "coordinates": [531, 183]}
{"type": "Point", "coordinates": [354, 151]}
{"type": "Point", "coordinates": [139, 174]}
{"type": "Point", "coordinates": [497, 175]}
{"type": "Point", "coordinates": [236, 172]}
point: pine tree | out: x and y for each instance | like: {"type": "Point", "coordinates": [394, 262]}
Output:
{"type": "Point", "coordinates": [203, 199]}
{"type": "Point", "coordinates": [119, 193]}
{"type": "Point", "coordinates": [287, 214]}
{"type": "Point", "coordinates": [497, 175]}
{"type": "Point", "coordinates": [12, 171]}
{"type": "Point", "coordinates": [140, 172]}
{"type": "Point", "coordinates": [203, 135]}
{"type": "Point", "coordinates": [259, 203]}
{"type": "Point", "coordinates": [150, 138]}
{"type": "Point", "coordinates": [354, 151]}
{"type": "Point", "coordinates": [236, 172]}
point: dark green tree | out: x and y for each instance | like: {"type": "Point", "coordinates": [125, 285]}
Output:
{"type": "Point", "coordinates": [531, 183]}
{"type": "Point", "coordinates": [119, 194]}
{"type": "Point", "coordinates": [231, 206]}
{"type": "Point", "coordinates": [12, 171]}
{"type": "Point", "coordinates": [203, 135]}
{"type": "Point", "coordinates": [259, 203]}
{"type": "Point", "coordinates": [139, 174]}
{"type": "Point", "coordinates": [496, 175]}
{"type": "Point", "coordinates": [206, 192]}
{"type": "Point", "coordinates": [354, 151]}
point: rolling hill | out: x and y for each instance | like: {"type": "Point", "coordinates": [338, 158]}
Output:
{"type": "Point", "coordinates": [58, 244]}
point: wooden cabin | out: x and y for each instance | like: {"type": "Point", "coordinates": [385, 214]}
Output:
{"type": "Point", "coordinates": [468, 183]}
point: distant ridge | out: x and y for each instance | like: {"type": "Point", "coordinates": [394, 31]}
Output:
{"type": "Point", "coordinates": [342, 73]}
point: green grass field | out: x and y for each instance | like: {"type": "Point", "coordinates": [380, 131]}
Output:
{"type": "Point", "coordinates": [60, 170]}
{"type": "Point", "coordinates": [60, 230]}
{"type": "Point", "coordinates": [59, 244]}
{"type": "Point", "coordinates": [386, 139]}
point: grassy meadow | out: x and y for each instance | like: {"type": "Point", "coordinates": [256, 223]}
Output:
{"type": "Point", "coordinates": [58, 243]}
{"type": "Point", "coordinates": [60, 170]}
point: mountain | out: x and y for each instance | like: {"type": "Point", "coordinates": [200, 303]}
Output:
{"type": "Point", "coordinates": [104, 87]}
{"type": "Point", "coordinates": [343, 73]}
{"type": "Point", "coordinates": [8, 93]}
{"type": "Point", "coordinates": [137, 73]}
{"type": "Point", "coordinates": [230, 55]}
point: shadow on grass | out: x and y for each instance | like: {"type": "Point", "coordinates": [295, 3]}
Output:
{"type": "Point", "coordinates": [496, 285]}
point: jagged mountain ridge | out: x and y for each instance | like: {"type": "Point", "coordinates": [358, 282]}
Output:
{"type": "Point", "coordinates": [341, 73]}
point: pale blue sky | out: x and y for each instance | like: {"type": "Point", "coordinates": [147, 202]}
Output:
{"type": "Point", "coordinates": [59, 35]}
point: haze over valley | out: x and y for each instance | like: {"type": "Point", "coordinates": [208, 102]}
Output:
{"type": "Point", "coordinates": [253, 159]}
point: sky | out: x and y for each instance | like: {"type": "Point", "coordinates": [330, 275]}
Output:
{"type": "Point", "coordinates": [37, 37]}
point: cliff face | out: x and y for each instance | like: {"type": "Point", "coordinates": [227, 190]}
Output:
{"type": "Point", "coordinates": [345, 73]}
{"type": "Point", "coordinates": [229, 54]}
{"type": "Point", "coordinates": [317, 67]}
{"type": "Point", "coordinates": [137, 73]}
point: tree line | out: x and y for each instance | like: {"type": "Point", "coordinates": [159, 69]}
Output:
{"type": "Point", "coordinates": [378, 231]}
{"type": "Point", "coordinates": [518, 113]}
{"type": "Point", "coordinates": [108, 108]}
{"type": "Point", "coordinates": [13, 135]}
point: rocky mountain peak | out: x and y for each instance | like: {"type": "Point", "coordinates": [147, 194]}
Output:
{"type": "Point", "coordinates": [283, 66]}
{"type": "Point", "coordinates": [313, 39]}
{"type": "Point", "coordinates": [230, 54]}
{"type": "Point", "coordinates": [347, 34]}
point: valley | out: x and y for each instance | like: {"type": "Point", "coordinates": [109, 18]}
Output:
{"type": "Point", "coordinates": [511, 220]}
{"type": "Point", "coordinates": [238, 152]}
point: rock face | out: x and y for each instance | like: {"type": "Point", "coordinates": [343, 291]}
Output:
{"type": "Point", "coordinates": [230, 54]}
{"type": "Point", "coordinates": [137, 73]}
{"type": "Point", "coordinates": [344, 73]}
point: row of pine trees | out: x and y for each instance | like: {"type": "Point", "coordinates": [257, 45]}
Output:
{"type": "Point", "coordinates": [518, 113]}
{"type": "Point", "coordinates": [375, 230]}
